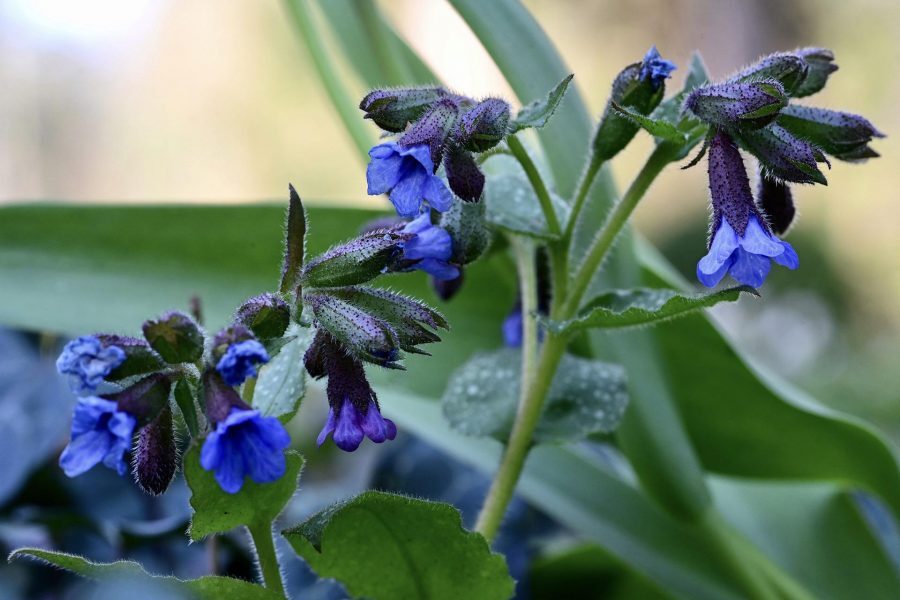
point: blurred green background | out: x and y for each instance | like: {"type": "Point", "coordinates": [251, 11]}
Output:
{"type": "Point", "coordinates": [158, 100]}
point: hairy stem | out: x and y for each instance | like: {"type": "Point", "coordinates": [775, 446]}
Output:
{"type": "Point", "coordinates": [537, 182]}
{"type": "Point", "coordinates": [581, 194]}
{"type": "Point", "coordinates": [268, 559]}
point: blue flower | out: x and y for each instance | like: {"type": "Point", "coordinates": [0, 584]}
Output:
{"type": "Point", "coordinates": [512, 328]}
{"type": "Point", "coordinates": [100, 432]}
{"type": "Point", "coordinates": [240, 360]}
{"type": "Point", "coordinates": [245, 443]}
{"type": "Point", "coordinates": [86, 362]}
{"type": "Point", "coordinates": [430, 248]}
{"type": "Point", "coordinates": [350, 425]}
{"type": "Point", "coordinates": [654, 68]}
{"type": "Point", "coordinates": [747, 258]}
{"type": "Point", "coordinates": [407, 174]}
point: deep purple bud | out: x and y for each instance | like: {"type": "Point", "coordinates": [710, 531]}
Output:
{"type": "Point", "coordinates": [356, 261]}
{"type": "Point", "coordinates": [777, 203]}
{"type": "Point", "coordinates": [783, 155]}
{"type": "Point", "coordinates": [465, 178]}
{"type": "Point", "coordinates": [314, 357]}
{"type": "Point", "coordinates": [483, 126]}
{"type": "Point", "coordinates": [267, 315]}
{"type": "Point", "coordinates": [752, 104]}
{"type": "Point", "coordinates": [842, 135]}
{"type": "Point", "coordinates": [821, 65]}
{"type": "Point", "coordinates": [363, 334]}
{"type": "Point", "coordinates": [433, 129]}
{"type": "Point", "coordinates": [788, 69]}
{"type": "Point", "coordinates": [144, 399]}
{"type": "Point", "coordinates": [393, 108]}
{"type": "Point", "coordinates": [447, 289]}
{"type": "Point", "coordinates": [156, 456]}
{"type": "Point", "coordinates": [219, 397]}
{"type": "Point", "coordinates": [176, 337]}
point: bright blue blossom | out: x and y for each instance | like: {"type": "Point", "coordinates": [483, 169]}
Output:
{"type": "Point", "coordinates": [350, 425]}
{"type": "Point", "coordinates": [747, 258]}
{"type": "Point", "coordinates": [656, 69]}
{"type": "Point", "coordinates": [100, 432]}
{"type": "Point", "coordinates": [406, 173]}
{"type": "Point", "coordinates": [86, 362]}
{"type": "Point", "coordinates": [240, 360]}
{"type": "Point", "coordinates": [512, 328]}
{"type": "Point", "coordinates": [245, 443]}
{"type": "Point", "coordinates": [431, 248]}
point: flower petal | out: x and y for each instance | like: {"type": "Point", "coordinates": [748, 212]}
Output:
{"type": "Point", "coordinates": [421, 153]}
{"type": "Point", "coordinates": [84, 452]}
{"type": "Point", "coordinates": [750, 269]}
{"type": "Point", "coordinates": [438, 269]}
{"type": "Point", "coordinates": [230, 472]}
{"type": "Point", "coordinates": [788, 258]}
{"type": "Point", "coordinates": [328, 429]}
{"type": "Point", "coordinates": [437, 194]}
{"type": "Point", "coordinates": [723, 244]}
{"type": "Point", "coordinates": [712, 279]}
{"type": "Point", "coordinates": [382, 174]}
{"type": "Point", "coordinates": [373, 425]}
{"type": "Point", "coordinates": [348, 434]}
{"type": "Point", "coordinates": [407, 194]}
{"type": "Point", "coordinates": [757, 240]}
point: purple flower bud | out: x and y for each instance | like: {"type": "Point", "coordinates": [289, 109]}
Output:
{"type": "Point", "coordinates": [751, 104]}
{"type": "Point", "coordinates": [788, 69]}
{"type": "Point", "coordinates": [483, 126]}
{"type": "Point", "coordinates": [777, 203]}
{"type": "Point", "coordinates": [447, 289]}
{"type": "Point", "coordinates": [140, 358]}
{"type": "Point", "coordinates": [741, 243]}
{"type": "Point", "coordinates": [783, 155]}
{"type": "Point", "coordinates": [86, 361]}
{"type": "Point", "coordinates": [101, 432]}
{"type": "Point", "coordinates": [156, 455]}
{"type": "Point", "coordinates": [432, 129]}
{"type": "Point", "coordinates": [842, 135]}
{"type": "Point", "coordinates": [406, 174]}
{"type": "Point", "coordinates": [465, 178]}
{"type": "Point", "coordinates": [361, 333]}
{"type": "Point", "coordinates": [240, 361]}
{"type": "Point", "coordinates": [356, 261]}
{"type": "Point", "coordinates": [219, 398]}
{"type": "Point", "coordinates": [393, 109]}
{"type": "Point", "coordinates": [267, 315]}
{"type": "Point", "coordinates": [176, 337]}
{"type": "Point", "coordinates": [655, 69]}
{"type": "Point", "coordinates": [144, 399]}
{"type": "Point", "coordinates": [820, 62]}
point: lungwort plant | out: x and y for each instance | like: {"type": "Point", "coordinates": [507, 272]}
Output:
{"type": "Point", "coordinates": [564, 333]}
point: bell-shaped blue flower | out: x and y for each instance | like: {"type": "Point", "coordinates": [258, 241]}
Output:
{"type": "Point", "coordinates": [742, 244]}
{"type": "Point", "coordinates": [85, 361]}
{"type": "Point", "coordinates": [349, 426]}
{"type": "Point", "coordinates": [654, 68]}
{"type": "Point", "coordinates": [406, 173]}
{"type": "Point", "coordinates": [430, 249]}
{"type": "Point", "coordinates": [100, 433]}
{"type": "Point", "coordinates": [245, 443]}
{"type": "Point", "coordinates": [240, 361]}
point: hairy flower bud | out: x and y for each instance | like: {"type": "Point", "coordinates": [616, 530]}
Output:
{"type": "Point", "coordinates": [361, 333]}
{"type": "Point", "coordinates": [821, 65]}
{"type": "Point", "coordinates": [393, 109]}
{"type": "Point", "coordinates": [156, 456]}
{"type": "Point", "coordinates": [777, 203]}
{"type": "Point", "coordinates": [433, 129]}
{"type": "Point", "coordinates": [788, 69]}
{"type": "Point", "coordinates": [842, 135]}
{"type": "Point", "coordinates": [446, 289]}
{"type": "Point", "coordinates": [483, 126]}
{"type": "Point", "coordinates": [144, 399]}
{"type": "Point", "coordinates": [219, 397]}
{"type": "Point", "coordinates": [751, 104]}
{"type": "Point", "coordinates": [468, 228]}
{"type": "Point", "coordinates": [267, 316]}
{"type": "Point", "coordinates": [235, 334]}
{"type": "Point", "coordinates": [783, 155]}
{"type": "Point", "coordinates": [356, 261]}
{"type": "Point", "coordinates": [139, 357]}
{"type": "Point", "coordinates": [465, 178]}
{"type": "Point", "coordinates": [176, 337]}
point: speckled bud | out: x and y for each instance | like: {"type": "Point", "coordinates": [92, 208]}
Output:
{"type": "Point", "coordinates": [156, 456]}
{"type": "Point", "coordinates": [783, 155]}
{"type": "Point", "coordinates": [176, 337]}
{"type": "Point", "coordinates": [787, 68]}
{"type": "Point", "coordinates": [750, 105]}
{"type": "Point", "coordinates": [465, 178]}
{"type": "Point", "coordinates": [447, 289]}
{"type": "Point", "coordinates": [466, 224]}
{"type": "Point", "coordinates": [267, 316]}
{"type": "Point", "coordinates": [433, 128]}
{"type": "Point", "coordinates": [365, 335]}
{"type": "Point", "coordinates": [842, 135]}
{"type": "Point", "coordinates": [233, 334]}
{"type": "Point", "coordinates": [356, 261]}
{"type": "Point", "coordinates": [777, 203]}
{"type": "Point", "coordinates": [393, 109]}
{"type": "Point", "coordinates": [140, 358]}
{"type": "Point", "coordinates": [144, 399]}
{"type": "Point", "coordinates": [729, 187]}
{"type": "Point", "coordinates": [821, 65]}
{"type": "Point", "coordinates": [483, 126]}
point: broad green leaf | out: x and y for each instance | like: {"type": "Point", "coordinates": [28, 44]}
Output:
{"type": "Point", "coordinates": [512, 205]}
{"type": "Point", "coordinates": [643, 306]}
{"type": "Point", "coordinates": [282, 381]}
{"type": "Point", "coordinates": [658, 128]}
{"type": "Point", "coordinates": [384, 546]}
{"type": "Point", "coordinates": [204, 588]}
{"type": "Point", "coordinates": [538, 112]}
{"type": "Point", "coordinates": [216, 511]}
{"type": "Point", "coordinates": [184, 397]}
{"type": "Point", "coordinates": [587, 396]}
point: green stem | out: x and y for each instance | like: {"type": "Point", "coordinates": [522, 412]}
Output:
{"type": "Point", "coordinates": [337, 93]}
{"type": "Point", "coordinates": [537, 182]}
{"type": "Point", "coordinates": [745, 571]}
{"type": "Point", "coordinates": [610, 229]}
{"type": "Point", "coordinates": [581, 193]}
{"type": "Point", "coordinates": [528, 292]}
{"type": "Point", "coordinates": [268, 559]}
{"type": "Point", "coordinates": [388, 52]}
{"type": "Point", "coordinates": [531, 402]}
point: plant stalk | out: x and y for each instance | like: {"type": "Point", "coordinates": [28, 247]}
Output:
{"type": "Point", "coordinates": [581, 194]}
{"type": "Point", "coordinates": [269, 568]}
{"type": "Point", "coordinates": [537, 182]}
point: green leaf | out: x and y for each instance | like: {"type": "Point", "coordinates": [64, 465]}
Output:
{"type": "Point", "coordinates": [204, 588]}
{"type": "Point", "coordinates": [294, 242]}
{"type": "Point", "coordinates": [642, 306]}
{"type": "Point", "coordinates": [281, 384]}
{"type": "Point", "coordinates": [587, 396]}
{"type": "Point", "coordinates": [257, 504]}
{"type": "Point", "coordinates": [385, 546]}
{"type": "Point", "coordinates": [512, 205]}
{"type": "Point", "coordinates": [658, 128]}
{"type": "Point", "coordinates": [184, 397]}
{"type": "Point", "coordinates": [538, 112]}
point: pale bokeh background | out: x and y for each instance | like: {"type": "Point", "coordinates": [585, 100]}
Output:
{"type": "Point", "coordinates": [196, 100]}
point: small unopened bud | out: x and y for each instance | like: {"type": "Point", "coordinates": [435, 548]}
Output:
{"type": "Point", "coordinates": [467, 227]}
{"type": "Point", "coordinates": [365, 335]}
{"type": "Point", "coordinates": [315, 355]}
{"type": "Point", "coordinates": [433, 129]}
{"type": "Point", "coordinates": [821, 65]}
{"type": "Point", "coordinates": [394, 109]}
{"type": "Point", "coordinates": [176, 337]}
{"type": "Point", "coordinates": [294, 243]}
{"type": "Point", "coordinates": [777, 203]}
{"type": "Point", "coordinates": [354, 262]}
{"type": "Point", "coordinates": [842, 135]}
{"type": "Point", "coordinates": [465, 178]}
{"type": "Point", "coordinates": [219, 397]}
{"type": "Point", "coordinates": [156, 456]}
{"type": "Point", "coordinates": [139, 357]}
{"type": "Point", "coordinates": [788, 69]}
{"type": "Point", "coordinates": [446, 289]}
{"type": "Point", "coordinates": [483, 126]}
{"type": "Point", "coordinates": [144, 399]}
{"type": "Point", "coordinates": [751, 104]}
{"type": "Point", "coordinates": [267, 315]}
{"type": "Point", "coordinates": [783, 155]}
